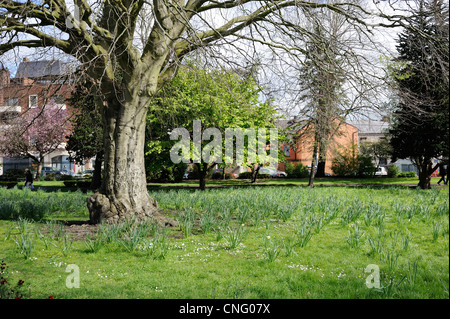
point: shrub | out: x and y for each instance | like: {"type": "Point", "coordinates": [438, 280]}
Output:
{"type": "Point", "coordinates": [217, 175]}
{"type": "Point", "coordinates": [8, 184]}
{"type": "Point", "coordinates": [71, 183]}
{"type": "Point", "coordinates": [229, 176]}
{"type": "Point", "coordinates": [407, 174]}
{"type": "Point", "coordinates": [344, 167]}
{"type": "Point", "coordinates": [194, 173]}
{"type": "Point", "coordinates": [365, 166]}
{"type": "Point", "coordinates": [346, 164]}
{"type": "Point", "coordinates": [64, 178]}
{"type": "Point", "coordinates": [245, 175]}
{"type": "Point", "coordinates": [11, 175]}
{"type": "Point", "coordinates": [248, 175]}
{"type": "Point", "coordinates": [49, 177]}
{"type": "Point", "coordinates": [393, 171]}
{"type": "Point", "coordinates": [296, 170]}
{"type": "Point", "coordinates": [84, 184]}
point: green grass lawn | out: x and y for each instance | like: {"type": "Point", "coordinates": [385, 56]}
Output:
{"type": "Point", "coordinates": [268, 242]}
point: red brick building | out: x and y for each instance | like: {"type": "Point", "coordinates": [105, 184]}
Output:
{"type": "Point", "coordinates": [342, 138]}
{"type": "Point", "coordinates": [35, 84]}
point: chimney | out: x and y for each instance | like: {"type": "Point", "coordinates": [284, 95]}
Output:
{"type": "Point", "coordinates": [27, 81]}
{"type": "Point", "coordinates": [4, 82]}
{"type": "Point", "coordinates": [4, 76]}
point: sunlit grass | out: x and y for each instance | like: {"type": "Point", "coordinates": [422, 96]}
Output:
{"type": "Point", "coordinates": [242, 245]}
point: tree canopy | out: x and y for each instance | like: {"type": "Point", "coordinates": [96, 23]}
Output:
{"type": "Point", "coordinates": [218, 98]}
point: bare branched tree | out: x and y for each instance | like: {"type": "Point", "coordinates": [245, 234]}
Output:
{"type": "Point", "coordinates": [336, 74]}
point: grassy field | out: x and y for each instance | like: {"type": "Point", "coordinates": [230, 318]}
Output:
{"type": "Point", "coordinates": [267, 242]}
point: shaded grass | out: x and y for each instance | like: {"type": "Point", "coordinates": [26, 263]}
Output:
{"type": "Point", "coordinates": [327, 181]}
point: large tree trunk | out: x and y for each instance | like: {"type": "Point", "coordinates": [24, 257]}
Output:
{"type": "Point", "coordinates": [124, 188]}
{"type": "Point", "coordinates": [425, 167]}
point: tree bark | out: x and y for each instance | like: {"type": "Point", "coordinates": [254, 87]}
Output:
{"type": "Point", "coordinates": [97, 175]}
{"type": "Point", "coordinates": [255, 172]}
{"type": "Point", "coordinates": [124, 192]}
{"type": "Point", "coordinates": [202, 181]}
{"type": "Point", "coordinates": [313, 165]}
{"type": "Point", "coordinates": [39, 168]}
{"type": "Point", "coordinates": [426, 169]}
{"type": "Point", "coordinates": [202, 172]}
{"type": "Point", "coordinates": [38, 161]}
{"type": "Point", "coordinates": [315, 159]}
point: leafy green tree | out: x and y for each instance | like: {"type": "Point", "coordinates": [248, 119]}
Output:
{"type": "Point", "coordinates": [218, 98]}
{"type": "Point", "coordinates": [420, 128]}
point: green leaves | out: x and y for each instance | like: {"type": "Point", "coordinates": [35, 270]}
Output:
{"type": "Point", "coordinates": [218, 98]}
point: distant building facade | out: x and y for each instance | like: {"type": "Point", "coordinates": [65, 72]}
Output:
{"type": "Point", "coordinates": [35, 84]}
{"type": "Point", "coordinates": [343, 136]}
{"type": "Point", "coordinates": [375, 131]}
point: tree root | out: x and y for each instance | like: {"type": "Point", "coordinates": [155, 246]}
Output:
{"type": "Point", "coordinates": [102, 209]}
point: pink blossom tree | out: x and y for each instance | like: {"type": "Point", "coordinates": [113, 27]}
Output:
{"type": "Point", "coordinates": [35, 133]}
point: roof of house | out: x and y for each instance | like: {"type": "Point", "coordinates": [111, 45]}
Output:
{"type": "Point", "coordinates": [38, 69]}
{"type": "Point", "coordinates": [371, 126]}
{"type": "Point", "coordinates": [285, 124]}
{"type": "Point", "coordinates": [294, 125]}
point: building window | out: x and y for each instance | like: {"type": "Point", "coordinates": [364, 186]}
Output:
{"type": "Point", "coordinates": [12, 101]}
{"type": "Point", "coordinates": [58, 100]}
{"type": "Point", "coordinates": [32, 101]}
{"type": "Point", "coordinates": [287, 151]}
{"type": "Point", "coordinates": [409, 168]}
